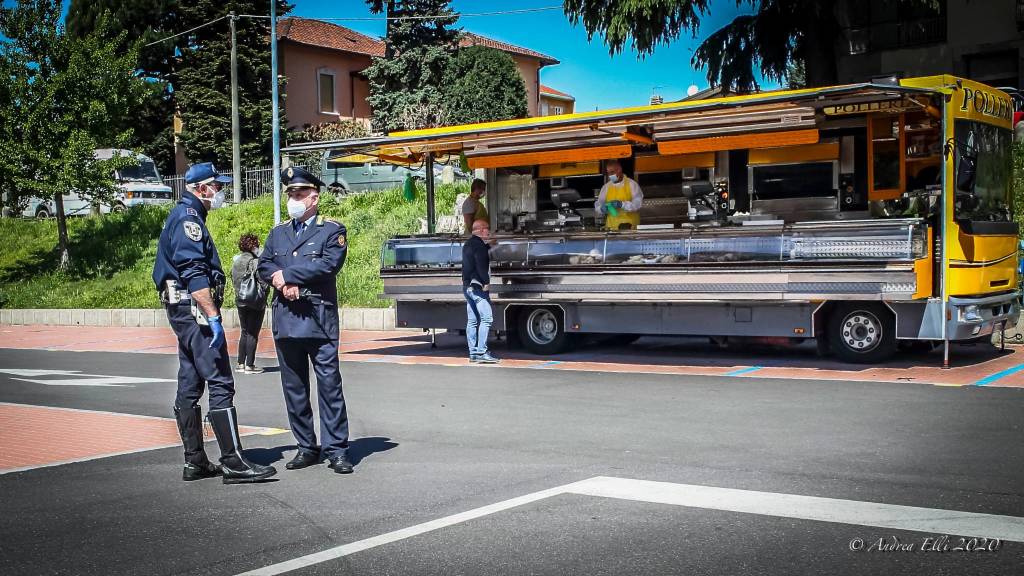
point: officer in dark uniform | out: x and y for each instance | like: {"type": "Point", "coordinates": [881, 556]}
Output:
{"type": "Point", "coordinates": [190, 281]}
{"type": "Point", "coordinates": [301, 259]}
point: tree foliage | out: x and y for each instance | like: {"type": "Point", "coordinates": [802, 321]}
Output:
{"type": "Point", "coordinates": [142, 21]}
{"type": "Point", "coordinates": [406, 85]}
{"type": "Point", "coordinates": [64, 97]}
{"type": "Point", "coordinates": [762, 44]}
{"type": "Point", "coordinates": [202, 82]}
{"type": "Point", "coordinates": [483, 84]}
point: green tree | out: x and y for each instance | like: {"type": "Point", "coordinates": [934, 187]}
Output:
{"type": "Point", "coordinates": [202, 82]}
{"type": "Point", "coordinates": [482, 85]}
{"type": "Point", "coordinates": [64, 97]}
{"type": "Point", "coordinates": [406, 85]}
{"type": "Point", "coordinates": [146, 21]}
{"type": "Point", "coordinates": [752, 45]}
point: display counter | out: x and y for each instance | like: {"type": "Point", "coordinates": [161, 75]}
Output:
{"type": "Point", "coordinates": [867, 240]}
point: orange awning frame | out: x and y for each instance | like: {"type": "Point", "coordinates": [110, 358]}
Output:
{"type": "Point", "coordinates": [739, 141]}
{"type": "Point", "coordinates": [551, 156]}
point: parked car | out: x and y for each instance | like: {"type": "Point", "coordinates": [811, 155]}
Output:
{"type": "Point", "coordinates": [359, 173]}
{"type": "Point", "coordinates": [136, 185]}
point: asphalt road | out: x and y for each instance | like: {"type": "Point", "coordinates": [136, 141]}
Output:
{"type": "Point", "coordinates": [435, 441]}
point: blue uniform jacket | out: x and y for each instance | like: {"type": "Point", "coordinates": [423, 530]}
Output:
{"type": "Point", "coordinates": [186, 253]}
{"type": "Point", "coordinates": [312, 262]}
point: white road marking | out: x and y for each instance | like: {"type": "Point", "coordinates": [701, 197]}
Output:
{"type": "Point", "coordinates": [855, 512]}
{"type": "Point", "coordinates": [359, 546]}
{"type": "Point", "coordinates": [75, 378]}
{"type": "Point", "coordinates": [930, 520]}
{"type": "Point", "coordinates": [32, 372]}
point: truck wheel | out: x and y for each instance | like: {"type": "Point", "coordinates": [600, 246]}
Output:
{"type": "Point", "coordinates": [862, 333]}
{"type": "Point", "coordinates": [542, 330]}
{"type": "Point", "coordinates": [118, 208]}
{"type": "Point", "coordinates": [42, 212]}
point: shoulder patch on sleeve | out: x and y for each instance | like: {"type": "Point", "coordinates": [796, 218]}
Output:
{"type": "Point", "coordinates": [191, 212]}
{"type": "Point", "coordinates": [341, 240]}
{"type": "Point", "coordinates": [193, 231]}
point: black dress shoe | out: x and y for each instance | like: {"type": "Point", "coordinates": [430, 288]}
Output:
{"type": "Point", "coordinates": [341, 465]}
{"type": "Point", "coordinates": [303, 459]}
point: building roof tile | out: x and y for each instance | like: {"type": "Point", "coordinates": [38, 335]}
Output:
{"type": "Point", "coordinates": [327, 35]}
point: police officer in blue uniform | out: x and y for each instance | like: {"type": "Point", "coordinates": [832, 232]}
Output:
{"type": "Point", "coordinates": [301, 259]}
{"type": "Point", "coordinates": [190, 281]}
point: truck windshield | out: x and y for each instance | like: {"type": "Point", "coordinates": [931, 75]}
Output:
{"type": "Point", "coordinates": [145, 171]}
{"type": "Point", "coordinates": [990, 199]}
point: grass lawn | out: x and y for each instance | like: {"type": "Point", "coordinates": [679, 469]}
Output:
{"type": "Point", "coordinates": [112, 256]}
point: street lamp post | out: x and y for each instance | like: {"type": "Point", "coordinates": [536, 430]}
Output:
{"type": "Point", "coordinates": [275, 121]}
{"type": "Point", "coordinates": [236, 153]}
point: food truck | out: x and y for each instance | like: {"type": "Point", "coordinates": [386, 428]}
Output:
{"type": "Point", "coordinates": [864, 216]}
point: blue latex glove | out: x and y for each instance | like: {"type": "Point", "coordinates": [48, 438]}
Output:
{"type": "Point", "coordinates": [218, 332]}
{"type": "Point", "coordinates": [617, 204]}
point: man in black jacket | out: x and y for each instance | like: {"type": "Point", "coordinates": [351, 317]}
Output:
{"type": "Point", "coordinates": [476, 286]}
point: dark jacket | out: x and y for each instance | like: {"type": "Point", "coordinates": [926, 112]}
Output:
{"type": "Point", "coordinates": [186, 253]}
{"type": "Point", "coordinates": [243, 267]}
{"type": "Point", "coordinates": [312, 262]}
{"type": "Point", "coordinates": [476, 262]}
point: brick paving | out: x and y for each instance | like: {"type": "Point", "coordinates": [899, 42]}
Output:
{"type": "Point", "coordinates": [34, 436]}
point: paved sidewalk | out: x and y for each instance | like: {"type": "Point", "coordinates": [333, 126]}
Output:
{"type": "Point", "coordinates": [38, 436]}
{"type": "Point", "coordinates": [974, 365]}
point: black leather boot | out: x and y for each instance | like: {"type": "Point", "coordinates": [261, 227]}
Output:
{"type": "Point", "coordinates": [235, 468]}
{"type": "Point", "coordinates": [190, 427]}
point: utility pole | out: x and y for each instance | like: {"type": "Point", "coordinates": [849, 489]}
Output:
{"type": "Point", "coordinates": [275, 121]}
{"type": "Point", "coordinates": [236, 143]}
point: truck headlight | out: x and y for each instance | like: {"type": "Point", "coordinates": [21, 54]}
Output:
{"type": "Point", "coordinates": [970, 313]}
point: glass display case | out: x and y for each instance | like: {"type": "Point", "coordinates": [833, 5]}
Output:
{"type": "Point", "coordinates": [840, 241]}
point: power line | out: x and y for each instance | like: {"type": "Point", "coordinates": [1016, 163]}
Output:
{"type": "Point", "coordinates": [203, 25]}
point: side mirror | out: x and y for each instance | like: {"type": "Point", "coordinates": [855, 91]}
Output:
{"type": "Point", "coordinates": [966, 166]}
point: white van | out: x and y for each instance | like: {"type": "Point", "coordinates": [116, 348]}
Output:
{"type": "Point", "coordinates": [140, 184]}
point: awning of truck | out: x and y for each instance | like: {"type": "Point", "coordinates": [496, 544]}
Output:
{"type": "Point", "coordinates": [768, 119]}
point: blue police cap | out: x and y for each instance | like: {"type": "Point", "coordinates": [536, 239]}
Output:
{"type": "Point", "coordinates": [204, 171]}
{"type": "Point", "coordinates": [295, 177]}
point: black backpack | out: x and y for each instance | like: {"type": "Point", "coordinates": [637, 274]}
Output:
{"type": "Point", "coordinates": [251, 293]}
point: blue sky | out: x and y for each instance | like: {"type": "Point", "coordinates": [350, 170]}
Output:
{"type": "Point", "coordinates": [597, 80]}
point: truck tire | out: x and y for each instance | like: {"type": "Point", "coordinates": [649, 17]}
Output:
{"type": "Point", "coordinates": [118, 208]}
{"type": "Point", "coordinates": [43, 212]}
{"type": "Point", "coordinates": [542, 330]}
{"type": "Point", "coordinates": [862, 332]}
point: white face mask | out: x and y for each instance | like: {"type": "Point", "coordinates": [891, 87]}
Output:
{"type": "Point", "coordinates": [296, 208]}
{"type": "Point", "coordinates": [217, 201]}
{"type": "Point", "coordinates": [614, 178]}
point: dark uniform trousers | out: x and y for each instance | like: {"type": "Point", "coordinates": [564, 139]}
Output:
{"type": "Point", "coordinates": [306, 330]}
{"type": "Point", "coordinates": [294, 356]}
{"type": "Point", "coordinates": [198, 363]}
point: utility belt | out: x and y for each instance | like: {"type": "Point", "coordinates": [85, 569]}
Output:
{"type": "Point", "coordinates": [172, 295]}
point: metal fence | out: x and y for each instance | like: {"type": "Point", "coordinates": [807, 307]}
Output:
{"type": "Point", "coordinates": [255, 182]}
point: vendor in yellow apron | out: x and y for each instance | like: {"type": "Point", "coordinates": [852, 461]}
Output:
{"type": "Point", "coordinates": [623, 192]}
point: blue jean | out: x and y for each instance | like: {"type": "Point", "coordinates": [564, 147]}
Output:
{"type": "Point", "coordinates": [478, 319]}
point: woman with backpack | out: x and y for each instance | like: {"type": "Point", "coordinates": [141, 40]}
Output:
{"type": "Point", "coordinates": [251, 299]}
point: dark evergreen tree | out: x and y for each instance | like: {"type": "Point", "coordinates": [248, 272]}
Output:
{"type": "Point", "coordinates": [483, 85]}
{"type": "Point", "coordinates": [406, 85]}
{"type": "Point", "coordinates": [202, 82]}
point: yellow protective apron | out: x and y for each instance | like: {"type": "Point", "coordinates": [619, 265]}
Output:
{"type": "Point", "coordinates": [623, 193]}
{"type": "Point", "coordinates": [481, 212]}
